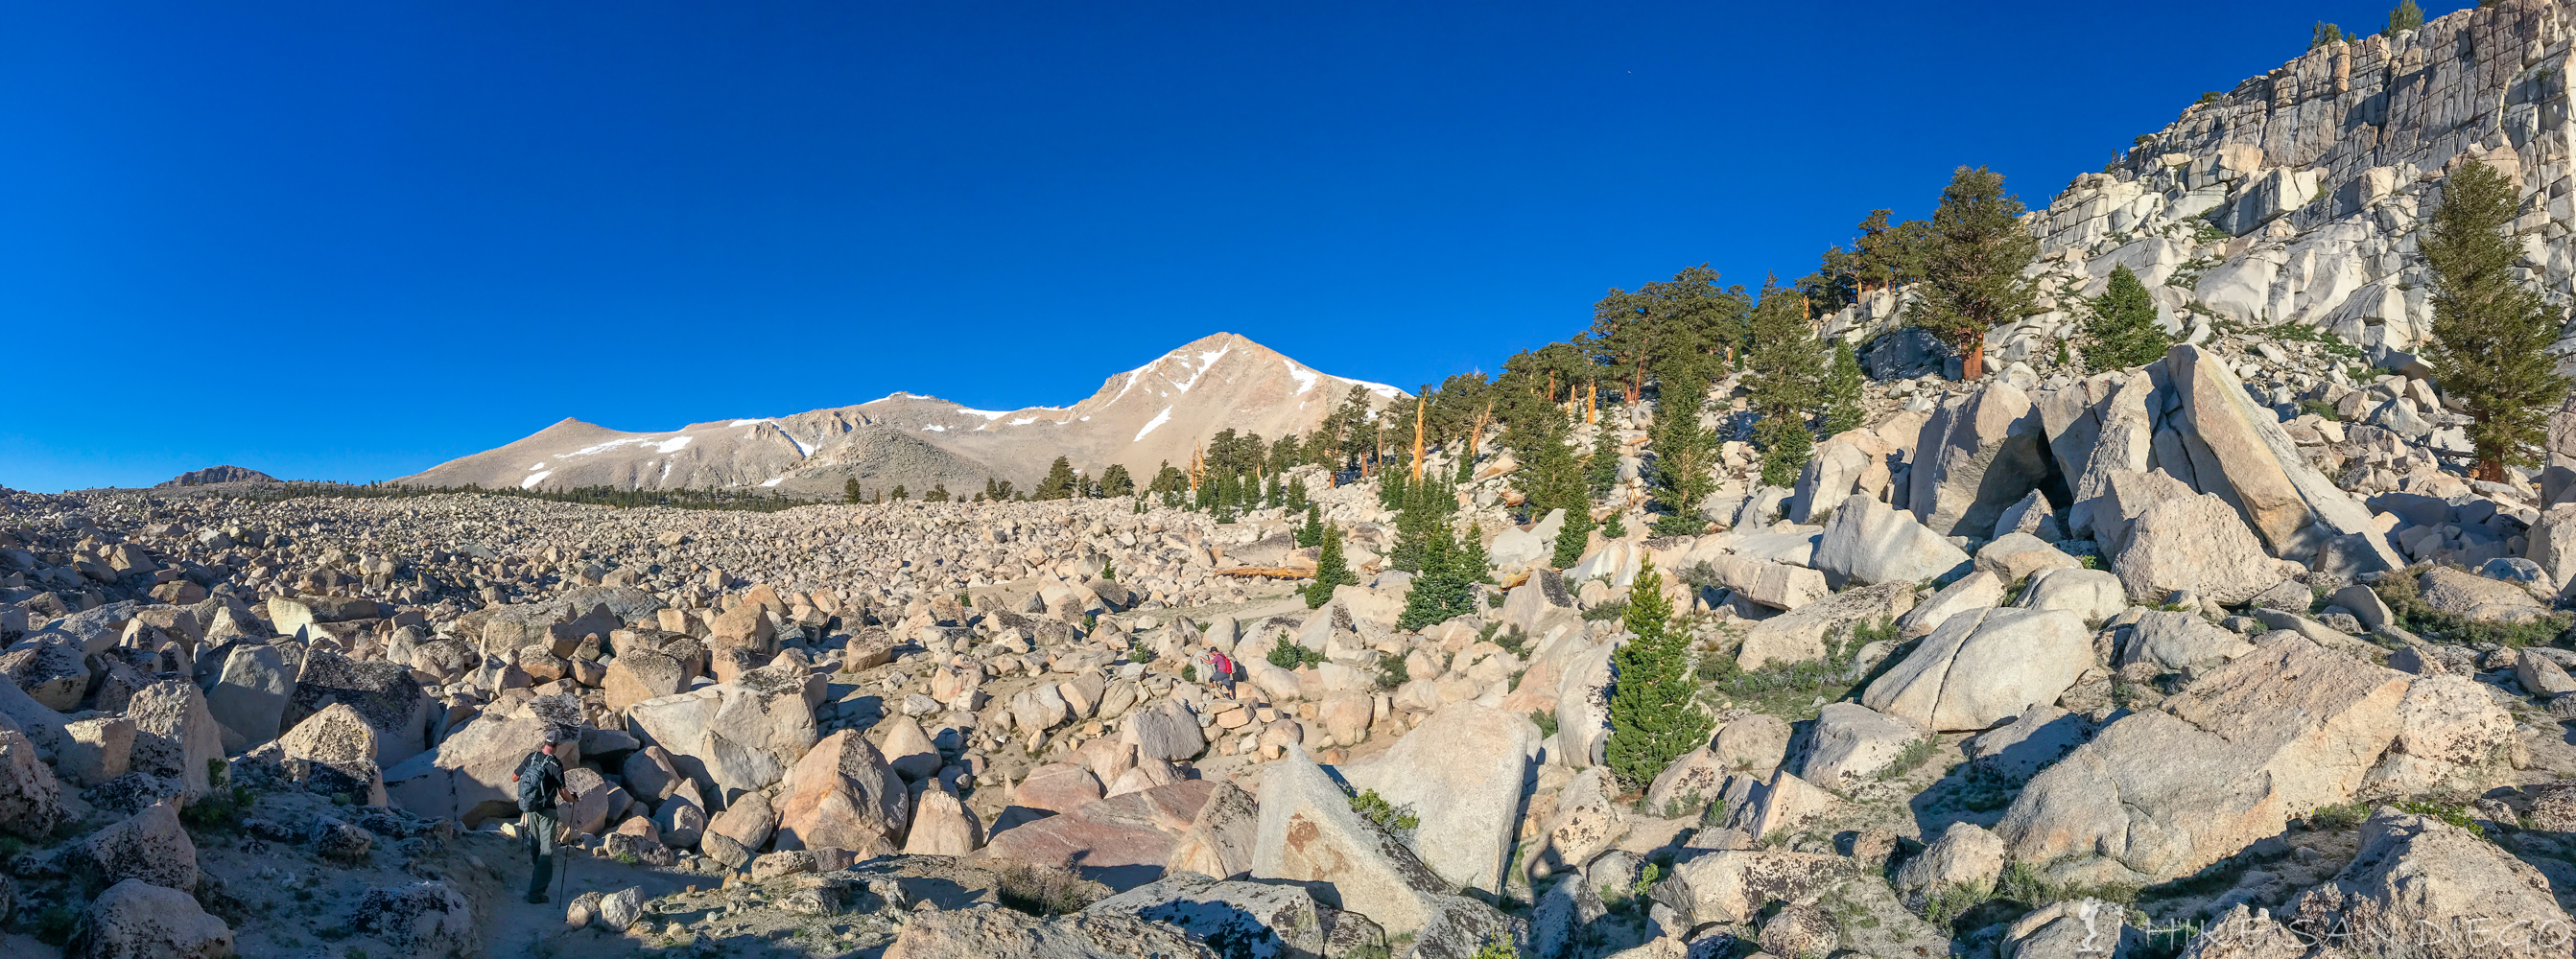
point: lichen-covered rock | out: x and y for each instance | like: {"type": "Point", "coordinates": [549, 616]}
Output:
{"type": "Point", "coordinates": [31, 799]}
{"type": "Point", "coordinates": [1733, 885]}
{"type": "Point", "coordinates": [334, 751]}
{"type": "Point", "coordinates": [150, 846]}
{"type": "Point", "coordinates": [2417, 875]}
{"type": "Point", "coordinates": [1244, 918]}
{"type": "Point", "coordinates": [383, 693]}
{"type": "Point", "coordinates": [135, 919]}
{"type": "Point", "coordinates": [174, 736]}
{"type": "Point", "coordinates": [334, 839]}
{"type": "Point", "coordinates": [425, 918]}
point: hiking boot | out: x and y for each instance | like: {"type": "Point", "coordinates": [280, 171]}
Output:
{"type": "Point", "coordinates": [537, 898]}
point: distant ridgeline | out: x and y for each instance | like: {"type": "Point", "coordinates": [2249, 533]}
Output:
{"type": "Point", "coordinates": [756, 500]}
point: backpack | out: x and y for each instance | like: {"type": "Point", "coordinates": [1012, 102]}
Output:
{"type": "Point", "coordinates": [531, 777]}
{"type": "Point", "coordinates": [1221, 666]}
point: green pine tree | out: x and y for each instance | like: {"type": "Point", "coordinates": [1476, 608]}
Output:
{"type": "Point", "coordinates": [1473, 563]}
{"type": "Point", "coordinates": [1331, 570]}
{"type": "Point", "coordinates": [1466, 468]}
{"type": "Point", "coordinates": [1972, 263]}
{"type": "Point", "coordinates": [1685, 450]}
{"type": "Point", "coordinates": [2123, 331]}
{"type": "Point", "coordinates": [1786, 447]}
{"type": "Point", "coordinates": [1059, 481]}
{"type": "Point", "coordinates": [1843, 391]}
{"type": "Point", "coordinates": [938, 494]}
{"type": "Point", "coordinates": [1576, 535]}
{"type": "Point", "coordinates": [2492, 335]}
{"type": "Point", "coordinates": [850, 491]}
{"type": "Point", "coordinates": [1653, 718]}
{"type": "Point", "coordinates": [1614, 528]}
{"type": "Point", "coordinates": [1295, 499]}
{"type": "Point", "coordinates": [2326, 34]}
{"type": "Point", "coordinates": [1311, 534]}
{"type": "Point", "coordinates": [1788, 382]}
{"type": "Point", "coordinates": [2405, 16]}
{"type": "Point", "coordinates": [899, 494]}
{"type": "Point", "coordinates": [1601, 471]}
{"type": "Point", "coordinates": [1438, 591]}
{"type": "Point", "coordinates": [1115, 481]}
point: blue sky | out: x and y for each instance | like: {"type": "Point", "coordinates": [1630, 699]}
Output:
{"type": "Point", "coordinates": [351, 241]}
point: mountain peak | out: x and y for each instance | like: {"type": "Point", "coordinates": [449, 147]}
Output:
{"type": "Point", "coordinates": [1158, 412]}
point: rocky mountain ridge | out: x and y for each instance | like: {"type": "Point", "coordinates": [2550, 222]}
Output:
{"type": "Point", "coordinates": [2296, 197]}
{"type": "Point", "coordinates": [1142, 418]}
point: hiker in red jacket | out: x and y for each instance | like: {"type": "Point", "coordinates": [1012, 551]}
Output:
{"type": "Point", "coordinates": [1220, 668]}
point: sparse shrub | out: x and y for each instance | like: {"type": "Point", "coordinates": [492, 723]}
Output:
{"type": "Point", "coordinates": [1387, 817]}
{"type": "Point", "coordinates": [1546, 721]}
{"type": "Point", "coordinates": [1611, 609]}
{"type": "Point", "coordinates": [1392, 672]}
{"type": "Point", "coordinates": [1945, 903]}
{"type": "Point", "coordinates": [2344, 816]}
{"type": "Point", "coordinates": [2453, 813]}
{"type": "Point", "coordinates": [1914, 755]}
{"type": "Point", "coordinates": [2399, 591]}
{"type": "Point", "coordinates": [1288, 655]}
{"type": "Point", "coordinates": [54, 925]}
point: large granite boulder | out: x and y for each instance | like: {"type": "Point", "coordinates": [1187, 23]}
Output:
{"type": "Point", "coordinates": [1801, 634]}
{"type": "Point", "coordinates": [1867, 541]}
{"type": "Point", "coordinates": [733, 737]}
{"type": "Point", "coordinates": [1985, 666]}
{"type": "Point", "coordinates": [468, 776]}
{"type": "Point", "coordinates": [1463, 770]}
{"type": "Point", "coordinates": [1976, 456]}
{"type": "Point", "coordinates": [2277, 732]}
{"type": "Point", "coordinates": [2197, 544]}
{"type": "Point", "coordinates": [385, 693]}
{"type": "Point", "coordinates": [150, 846]}
{"type": "Point", "coordinates": [251, 695]}
{"type": "Point", "coordinates": [843, 795]}
{"type": "Point", "coordinates": [334, 751]}
{"type": "Point", "coordinates": [174, 736]}
{"type": "Point", "coordinates": [1310, 836]}
{"type": "Point", "coordinates": [1123, 841]}
{"type": "Point", "coordinates": [1735, 885]}
{"type": "Point", "coordinates": [2243, 455]}
{"type": "Point", "coordinates": [31, 799]}
{"type": "Point", "coordinates": [1852, 744]}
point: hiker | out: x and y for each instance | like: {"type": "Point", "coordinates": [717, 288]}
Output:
{"type": "Point", "coordinates": [1220, 668]}
{"type": "Point", "coordinates": [541, 790]}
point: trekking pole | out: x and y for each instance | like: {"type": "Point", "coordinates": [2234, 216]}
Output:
{"type": "Point", "coordinates": [563, 871]}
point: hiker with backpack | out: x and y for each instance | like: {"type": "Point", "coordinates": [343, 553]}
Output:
{"type": "Point", "coordinates": [541, 793]}
{"type": "Point", "coordinates": [1220, 668]}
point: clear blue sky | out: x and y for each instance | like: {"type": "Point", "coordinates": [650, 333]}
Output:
{"type": "Point", "coordinates": [352, 240]}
